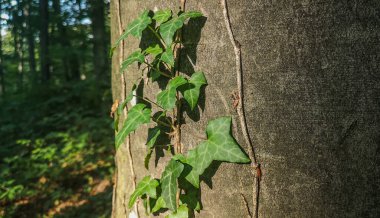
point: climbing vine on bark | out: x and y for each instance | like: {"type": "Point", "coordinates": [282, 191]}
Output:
{"type": "Point", "coordinates": [178, 188]}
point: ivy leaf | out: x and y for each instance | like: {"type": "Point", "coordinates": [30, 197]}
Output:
{"type": "Point", "coordinates": [191, 199]}
{"type": "Point", "coordinates": [168, 29]}
{"type": "Point", "coordinates": [167, 97]}
{"type": "Point", "coordinates": [154, 51]}
{"type": "Point", "coordinates": [137, 115]}
{"type": "Point", "coordinates": [135, 56]}
{"type": "Point", "coordinates": [220, 146]}
{"type": "Point", "coordinates": [147, 186]}
{"type": "Point", "coordinates": [168, 57]}
{"type": "Point", "coordinates": [192, 89]}
{"type": "Point", "coordinates": [160, 203]}
{"type": "Point", "coordinates": [147, 158]}
{"type": "Point", "coordinates": [162, 16]}
{"type": "Point", "coordinates": [191, 14]}
{"type": "Point", "coordinates": [121, 107]}
{"type": "Point", "coordinates": [153, 134]}
{"type": "Point", "coordinates": [182, 212]}
{"type": "Point", "coordinates": [136, 27]}
{"type": "Point", "coordinates": [169, 183]}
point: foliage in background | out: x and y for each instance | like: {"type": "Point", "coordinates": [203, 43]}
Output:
{"type": "Point", "coordinates": [56, 153]}
{"type": "Point", "coordinates": [55, 144]}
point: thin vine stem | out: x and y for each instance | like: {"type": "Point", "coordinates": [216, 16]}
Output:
{"type": "Point", "coordinates": [158, 36]}
{"type": "Point", "coordinates": [148, 100]}
{"type": "Point", "coordinates": [154, 68]}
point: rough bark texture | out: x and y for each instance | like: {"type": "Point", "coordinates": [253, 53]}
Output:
{"type": "Point", "coordinates": [311, 78]}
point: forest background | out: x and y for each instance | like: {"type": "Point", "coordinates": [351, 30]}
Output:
{"type": "Point", "coordinates": [56, 147]}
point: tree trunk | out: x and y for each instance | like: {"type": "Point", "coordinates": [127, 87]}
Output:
{"type": "Point", "coordinates": [31, 44]}
{"type": "Point", "coordinates": [2, 79]}
{"type": "Point", "coordinates": [312, 105]}
{"type": "Point", "coordinates": [98, 30]}
{"type": "Point", "coordinates": [44, 41]}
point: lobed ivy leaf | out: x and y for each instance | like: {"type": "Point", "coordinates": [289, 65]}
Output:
{"type": "Point", "coordinates": [220, 146]}
{"type": "Point", "coordinates": [167, 97]}
{"type": "Point", "coordinates": [182, 212]}
{"type": "Point", "coordinates": [168, 57]}
{"type": "Point", "coordinates": [135, 56]}
{"type": "Point", "coordinates": [191, 198]}
{"type": "Point", "coordinates": [137, 115]}
{"type": "Point", "coordinates": [168, 29]}
{"type": "Point", "coordinates": [162, 16]}
{"type": "Point", "coordinates": [154, 50]}
{"type": "Point", "coordinates": [136, 27]}
{"type": "Point", "coordinates": [160, 204]}
{"type": "Point", "coordinates": [191, 90]}
{"type": "Point", "coordinates": [169, 183]}
{"type": "Point", "coordinates": [191, 14]}
{"type": "Point", "coordinates": [147, 186]}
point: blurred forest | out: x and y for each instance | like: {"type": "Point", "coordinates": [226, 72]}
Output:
{"type": "Point", "coordinates": [56, 138]}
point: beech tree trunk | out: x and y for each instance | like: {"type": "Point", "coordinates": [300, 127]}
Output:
{"type": "Point", "coordinates": [311, 88]}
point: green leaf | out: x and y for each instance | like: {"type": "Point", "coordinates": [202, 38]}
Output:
{"type": "Point", "coordinates": [154, 51]}
{"type": "Point", "coordinates": [147, 186]}
{"type": "Point", "coordinates": [168, 57]}
{"type": "Point", "coordinates": [135, 56]}
{"type": "Point", "coordinates": [220, 146]}
{"type": "Point", "coordinates": [191, 199]}
{"type": "Point", "coordinates": [136, 27]}
{"type": "Point", "coordinates": [147, 158]}
{"type": "Point", "coordinates": [137, 115]}
{"type": "Point", "coordinates": [127, 99]}
{"type": "Point", "coordinates": [192, 89]}
{"type": "Point", "coordinates": [191, 14]}
{"type": "Point", "coordinates": [168, 29]}
{"type": "Point", "coordinates": [162, 15]}
{"type": "Point", "coordinates": [167, 97]}
{"type": "Point", "coordinates": [182, 212]}
{"type": "Point", "coordinates": [160, 203]}
{"type": "Point", "coordinates": [169, 183]}
{"type": "Point", "coordinates": [153, 134]}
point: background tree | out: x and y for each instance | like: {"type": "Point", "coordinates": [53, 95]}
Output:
{"type": "Point", "coordinates": [44, 41]}
{"type": "Point", "coordinates": [310, 90]}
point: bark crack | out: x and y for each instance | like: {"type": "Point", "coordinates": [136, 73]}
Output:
{"type": "Point", "coordinates": [256, 172]}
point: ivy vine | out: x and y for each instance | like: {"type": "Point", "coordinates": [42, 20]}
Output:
{"type": "Point", "coordinates": [178, 188]}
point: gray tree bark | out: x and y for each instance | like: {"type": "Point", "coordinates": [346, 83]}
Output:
{"type": "Point", "coordinates": [311, 87]}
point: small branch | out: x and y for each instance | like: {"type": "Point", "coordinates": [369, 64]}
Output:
{"type": "Point", "coordinates": [148, 100]}
{"type": "Point", "coordinates": [162, 123]}
{"type": "Point", "coordinates": [162, 73]}
{"type": "Point", "coordinates": [240, 107]}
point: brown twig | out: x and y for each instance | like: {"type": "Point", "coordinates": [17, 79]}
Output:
{"type": "Point", "coordinates": [240, 107]}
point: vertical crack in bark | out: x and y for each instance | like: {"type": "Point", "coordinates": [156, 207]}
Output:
{"type": "Point", "coordinates": [240, 109]}
{"type": "Point", "coordinates": [123, 97]}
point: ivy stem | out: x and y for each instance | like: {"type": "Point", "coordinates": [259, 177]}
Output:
{"type": "Point", "coordinates": [162, 123]}
{"type": "Point", "coordinates": [177, 51]}
{"type": "Point", "coordinates": [158, 36]}
{"type": "Point", "coordinates": [148, 100]}
{"type": "Point", "coordinates": [162, 73]}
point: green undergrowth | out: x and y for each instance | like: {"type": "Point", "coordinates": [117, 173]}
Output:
{"type": "Point", "coordinates": [56, 152]}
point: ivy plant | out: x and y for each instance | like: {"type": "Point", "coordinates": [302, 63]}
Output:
{"type": "Point", "coordinates": [178, 188]}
